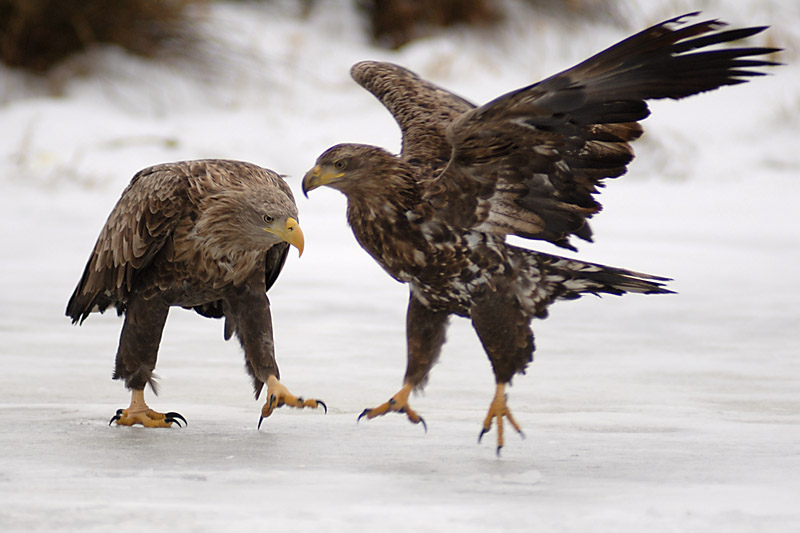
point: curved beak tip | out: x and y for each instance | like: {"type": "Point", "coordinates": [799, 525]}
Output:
{"type": "Point", "coordinates": [312, 180]}
{"type": "Point", "coordinates": [294, 235]}
{"type": "Point", "coordinates": [307, 186]}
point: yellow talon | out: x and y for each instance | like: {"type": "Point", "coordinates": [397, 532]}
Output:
{"type": "Point", "coordinates": [397, 403]}
{"type": "Point", "coordinates": [140, 413]}
{"type": "Point", "coordinates": [499, 409]}
{"type": "Point", "coordinates": [278, 396]}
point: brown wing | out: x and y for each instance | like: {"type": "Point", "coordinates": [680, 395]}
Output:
{"type": "Point", "coordinates": [529, 162]}
{"type": "Point", "coordinates": [138, 227]}
{"type": "Point", "coordinates": [422, 110]}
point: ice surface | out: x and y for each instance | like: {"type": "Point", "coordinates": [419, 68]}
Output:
{"type": "Point", "coordinates": [670, 413]}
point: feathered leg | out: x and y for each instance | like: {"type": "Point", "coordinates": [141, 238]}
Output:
{"type": "Point", "coordinates": [504, 330]}
{"type": "Point", "coordinates": [425, 333]}
{"type": "Point", "coordinates": [248, 314]}
{"type": "Point", "coordinates": [136, 359]}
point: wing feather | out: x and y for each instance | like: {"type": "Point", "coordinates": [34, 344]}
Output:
{"type": "Point", "coordinates": [136, 230]}
{"type": "Point", "coordinates": [530, 162]}
{"type": "Point", "coordinates": [422, 110]}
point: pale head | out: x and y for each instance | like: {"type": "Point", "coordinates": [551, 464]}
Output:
{"type": "Point", "coordinates": [253, 219]}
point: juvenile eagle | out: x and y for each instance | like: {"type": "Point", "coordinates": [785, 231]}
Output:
{"type": "Point", "coordinates": [527, 163]}
{"type": "Point", "coordinates": [210, 235]}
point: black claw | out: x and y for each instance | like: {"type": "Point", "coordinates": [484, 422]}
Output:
{"type": "Point", "coordinates": [116, 417]}
{"type": "Point", "coordinates": [424, 425]}
{"type": "Point", "coordinates": [320, 402]}
{"type": "Point", "coordinates": [260, 419]}
{"type": "Point", "coordinates": [364, 413]}
{"type": "Point", "coordinates": [172, 416]}
{"type": "Point", "coordinates": [483, 432]}
{"type": "Point", "coordinates": [498, 450]}
{"type": "Point", "coordinates": [170, 420]}
{"type": "Point", "coordinates": [272, 400]}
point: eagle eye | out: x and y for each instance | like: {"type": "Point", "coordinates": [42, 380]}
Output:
{"type": "Point", "coordinates": [268, 219]}
{"type": "Point", "coordinates": [340, 164]}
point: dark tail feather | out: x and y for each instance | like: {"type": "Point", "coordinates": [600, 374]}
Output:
{"type": "Point", "coordinates": [618, 281]}
{"type": "Point", "coordinates": [545, 278]}
{"type": "Point", "coordinates": [582, 277]}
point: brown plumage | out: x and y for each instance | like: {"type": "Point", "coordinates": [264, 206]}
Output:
{"type": "Point", "coordinates": [527, 163]}
{"type": "Point", "coordinates": [210, 235]}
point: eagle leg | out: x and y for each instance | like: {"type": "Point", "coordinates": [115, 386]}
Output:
{"type": "Point", "coordinates": [278, 396]}
{"type": "Point", "coordinates": [139, 413]}
{"type": "Point", "coordinates": [397, 403]}
{"type": "Point", "coordinates": [499, 409]}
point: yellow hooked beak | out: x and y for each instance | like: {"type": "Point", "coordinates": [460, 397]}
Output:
{"type": "Point", "coordinates": [319, 176]}
{"type": "Point", "coordinates": [290, 233]}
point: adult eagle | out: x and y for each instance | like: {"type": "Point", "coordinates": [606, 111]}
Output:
{"type": "Point", "coordinates": [210, 235]}
{"type": "Point", "coordinates": [527, 163]}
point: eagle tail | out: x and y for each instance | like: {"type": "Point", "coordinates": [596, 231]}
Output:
{"type": "Point", "coordinates": [581, 277]}
{"type": "Point", "coordinates": [552, 277]}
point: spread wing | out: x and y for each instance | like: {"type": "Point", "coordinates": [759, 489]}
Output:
{"type": "Point", "coordinates": [138, 227]}
{"type": "Point", "coordinates": [529, 162]}
{"type": "Point", "coordinates": [422, 110]}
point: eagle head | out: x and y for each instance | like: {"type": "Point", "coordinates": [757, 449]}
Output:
{"type": "Point", "coordinates": [346, 167]}
{"type": "Point", "coordinates": [253, 220]}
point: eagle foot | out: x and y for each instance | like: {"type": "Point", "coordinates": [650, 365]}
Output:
{"type": "Point", "coordinates": [278, 396]}
{"type": "Point", "coordinates": [147, 418]}
{"type": "Point", "coordinates": [139, 413]}
{"type": "Point", "coordinates": [499, 409]}
{"type": "Point", "coordinates": [397, 403]}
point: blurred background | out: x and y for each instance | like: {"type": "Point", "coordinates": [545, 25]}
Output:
{"type": "Point", "coordinates": [163, 75]}
{"type": "Point", "coordinates": [39, 34]}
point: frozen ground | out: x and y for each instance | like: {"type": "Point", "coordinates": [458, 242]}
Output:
{"type": "Point", "coordinates": [672, 413]}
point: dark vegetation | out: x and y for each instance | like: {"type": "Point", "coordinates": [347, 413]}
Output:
{"type": "Point", "coordinates": [394, 23]}
{"type": "Point", "coordinates": [38, 34]}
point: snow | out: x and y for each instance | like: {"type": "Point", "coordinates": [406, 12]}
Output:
{"type": "Point", "coordinates": [668, 413]}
